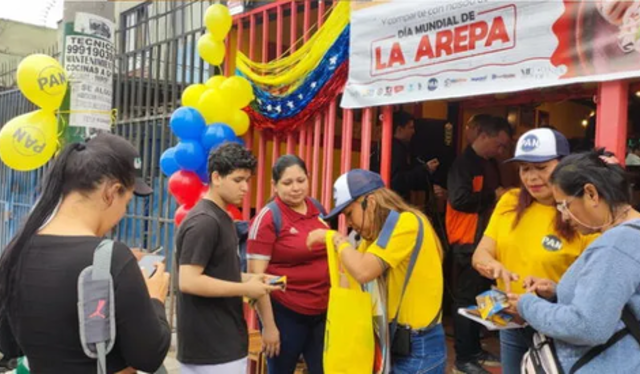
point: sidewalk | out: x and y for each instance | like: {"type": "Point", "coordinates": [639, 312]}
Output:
{"type": "Point", "coordinates": [171, 364]}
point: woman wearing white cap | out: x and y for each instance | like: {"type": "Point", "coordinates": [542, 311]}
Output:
{"type": "Point", "coordinates": [399, 247]}
{"type": "Point", "coordinates": [526, 238]}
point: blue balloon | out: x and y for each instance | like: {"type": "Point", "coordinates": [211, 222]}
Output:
{"type": "Point", "coordinates": [187, 123]}
{"type": "Point", "coordinates": [168, 163]}
{"type": "Point", "coordinates": [240, 141]}
{"type": "Point", "coordinates": [203, 174]}
{"type": "Point", "coordinates": [216, 134]}
{"type": "Point", "coordinates": [190, 155]}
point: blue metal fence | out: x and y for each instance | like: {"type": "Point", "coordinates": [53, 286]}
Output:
{"type": "Point", "coordinates": [17, 189]}
{"type": "Point", "coordinates": [148, 222]}
{"type": "Point", "coordinates": [155, 61]}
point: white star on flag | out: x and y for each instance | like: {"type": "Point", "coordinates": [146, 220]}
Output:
{"type": "Point", "coordinates": [259, 101]}
{"type": "Point", "coordinates": [300, 97]}
{"type": "Point", "coordinates": [313, 84]}
{"type": "Point", "coordinates": [269, 107]}
{"type": "Point", "coordinates": [333, 60]}
{"type": "Point", "coordinates": [290, 104]}
{"type": "Point", "coordinates": [278, 109]}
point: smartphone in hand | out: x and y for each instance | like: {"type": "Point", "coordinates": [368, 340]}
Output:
{"type": "Point", "coordinates": [148, 262]}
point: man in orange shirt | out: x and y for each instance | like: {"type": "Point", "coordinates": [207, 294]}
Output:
{"type": "Point", "coordinates": [474, 187]}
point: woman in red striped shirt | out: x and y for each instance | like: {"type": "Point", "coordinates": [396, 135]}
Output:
{"type": "Point", "coordinates": [293, 322]}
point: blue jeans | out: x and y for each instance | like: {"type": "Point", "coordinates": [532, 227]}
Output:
{"type": "Point", "coordinates": [299, 335]}
{"type": "Point", "coordinates": [428, 354]}
{"type": "Point", "coordinates": [513, 345]}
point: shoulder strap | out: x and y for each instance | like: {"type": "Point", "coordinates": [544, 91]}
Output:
{"type": "Point", "coordinates": [631, 323]}
{"type": "Point", "coordinates": [412, 263]}
{"type": "Point", "coordinates": [631, 326]}
{"type": "Point", "coordinates": [276, 216]}
{"type": "Point", "coordinates": [276, 213]}
{"type": "Point", "coordinates": [101, 270]}
{"type": "Point", "coordinates": [102, 260]}
{"type": "Point", "coordinates": [319, 206]}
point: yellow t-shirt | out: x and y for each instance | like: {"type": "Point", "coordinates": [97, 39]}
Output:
{"type": "Point", "coordinates": [533, 247]}
{"type": "Point", "coordinates": [423, 298]}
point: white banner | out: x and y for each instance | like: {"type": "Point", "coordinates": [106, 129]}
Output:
{"type": "Point", "coordinates": [407, 51]}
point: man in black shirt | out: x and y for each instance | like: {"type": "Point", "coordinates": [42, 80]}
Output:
{"type": "Point", "coordinates": [474, 187]}
{"type": "Point", "coordinates": [408, 173]}
{"type": "Point", "coordinates": [212, 332]}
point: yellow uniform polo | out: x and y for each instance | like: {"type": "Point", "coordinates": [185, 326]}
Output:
{"type": "Point", "coordinates": [422, 300]}
{"type": "Point", "coordinates": [533, 247]}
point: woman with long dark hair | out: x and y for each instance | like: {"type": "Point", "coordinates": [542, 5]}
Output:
{"type": "Point", "coordinates": [585, 308]}
{"type": "Point", "coordinates": [84, 195]}
{"type": "Point", "coordinates": [526, 237]}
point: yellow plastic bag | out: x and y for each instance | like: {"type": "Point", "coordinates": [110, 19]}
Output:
{"type": "Point", "coordinates": [349, 336]}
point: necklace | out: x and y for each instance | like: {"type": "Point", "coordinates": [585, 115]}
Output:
{"type": "Point", "coordinates": [622, 215]}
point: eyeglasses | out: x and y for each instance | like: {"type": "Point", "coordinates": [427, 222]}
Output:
{"type": "Point", "coordinates": [563, 206]}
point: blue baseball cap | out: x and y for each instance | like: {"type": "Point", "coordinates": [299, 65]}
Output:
{"type": "Point", "coordinates": [541, 145]}
{"type": "Point", "coordinates": [350, 186]}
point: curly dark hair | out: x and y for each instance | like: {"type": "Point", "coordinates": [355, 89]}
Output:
{"type": "Point", "coordinates": [230, 157]}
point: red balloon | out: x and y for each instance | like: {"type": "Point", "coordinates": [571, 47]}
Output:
{"type": "Point", "coordinates": [181, 212]}
{"type": "Point", "coordinates": [185, 187]}
{"type": "Point", "coordinates": [234, 212]}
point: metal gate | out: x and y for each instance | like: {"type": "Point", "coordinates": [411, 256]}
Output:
{"type": "Point", "coordinates": [156, 59]}
{"type": "Point", "coordinates": [17, 189]}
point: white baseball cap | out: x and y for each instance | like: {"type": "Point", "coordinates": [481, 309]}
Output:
{"type": "Point", "coordinates": [541, 145]}
{"type": "Point", "coordinates": [350, 186]}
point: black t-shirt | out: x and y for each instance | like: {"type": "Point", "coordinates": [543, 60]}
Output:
{"type": "Point", "coordinates": [44, 315]}
{"type": "Point", "coordinates": [211, 330]}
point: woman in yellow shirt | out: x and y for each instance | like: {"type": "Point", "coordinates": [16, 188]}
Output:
{"type": "Point", "coordinates": [390, 230]}
{"type": "Point", "coordinates": [526, 238]}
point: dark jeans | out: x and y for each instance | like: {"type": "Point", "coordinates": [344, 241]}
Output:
{"type": "Point", "coordinates": [468, 285]}
{"type": "Point", "coordinates": [513, 345]}
{"type": "Point", "coordinates": [299, 335]}
{"type": "Point", "coordinates": [428, 354]}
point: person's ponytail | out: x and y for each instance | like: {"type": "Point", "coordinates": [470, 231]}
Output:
{"type": "Point", "coordinates": [52, 191]}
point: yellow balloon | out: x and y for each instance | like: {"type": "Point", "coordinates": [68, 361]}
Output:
{"type": "Point", "coordinates": [212, 51]}
{"type": "Point", "coordinates": [191, 95]}
{"type": "Point", "coordinates": [214, 106]}
{"type": "Point", "coordinates": [239, 89]}
{"type": "Point", "coordinates": [42, 80]}
{"type": "Point", "coordinates": [239, 122]}
{"type": "Point", "coordinates": [218, 21]}
{"type": "Point", "coordinates": [215, 82]}
{"type": "Point", "coordinates": [29, 141]}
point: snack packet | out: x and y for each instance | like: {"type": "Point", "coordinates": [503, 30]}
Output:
{"type": "Point", "coordinates": [491, 303]}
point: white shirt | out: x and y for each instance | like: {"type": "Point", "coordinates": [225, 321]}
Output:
{"type": "Point", "coordinates": [632, 159]}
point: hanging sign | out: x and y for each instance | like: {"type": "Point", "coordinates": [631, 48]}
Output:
{"type": "Point", "coordinates": [89, 60]}
{"type": "Point", "coordinates": [407, 51]}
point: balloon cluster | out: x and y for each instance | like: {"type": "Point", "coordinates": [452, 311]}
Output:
{"type": "Point", "coordinates": [220, 99]}
{"type": "Point", "coordinates": [27, 142]}
{"type": "Point", "coordinates": [186, 163]}
{"type": "Point", "coordinates": [211, 114]}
